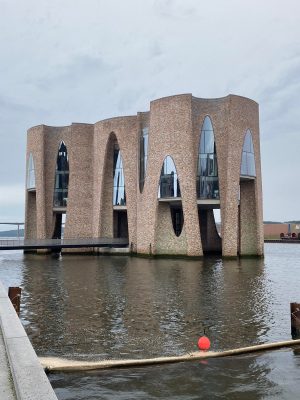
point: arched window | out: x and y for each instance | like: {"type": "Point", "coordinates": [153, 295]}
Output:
{"type": "Point", "coordinates": [143, 156]}
{"type": "Point", "coordinates": [30, 173]}
{"type": "Point", "coordinates": [119, 194]}
{"type": "Point", "coordinates": [207, 175]}
{"type": "Point", "coordinates": [61, 177]}
{"type": "Point", "coordinates": [248, 160]}
{"type": "Point", "coordinates": [169, 183]}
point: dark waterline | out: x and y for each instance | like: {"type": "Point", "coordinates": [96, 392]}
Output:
{"type": "Point", "coordinates": [88, 307]}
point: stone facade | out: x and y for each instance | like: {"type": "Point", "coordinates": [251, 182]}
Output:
{"type": "Point", "coordinates": [174, 125]}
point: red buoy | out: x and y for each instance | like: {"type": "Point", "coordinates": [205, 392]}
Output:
{"type": "Point", "coordinates": [203, 343]}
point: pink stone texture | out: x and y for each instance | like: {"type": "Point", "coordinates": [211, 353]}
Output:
{"type": "Point", "coordinates": [174, 124]}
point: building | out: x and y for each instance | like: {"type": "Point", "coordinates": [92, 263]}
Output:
{"type": "Point", "coordinates": [276, 231]}
{"type": "Point", "coordinates": [155, 178]}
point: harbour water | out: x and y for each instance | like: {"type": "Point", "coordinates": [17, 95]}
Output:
{"type": "Point", "coordinates": [86, 307]}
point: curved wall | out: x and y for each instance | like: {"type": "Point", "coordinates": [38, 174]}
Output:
{"type": "Point", "coordinates": [174, 130]}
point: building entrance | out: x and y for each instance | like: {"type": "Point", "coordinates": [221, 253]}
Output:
{"type": "Point", "coordinates": [120, 224]}
{"type": "Point", "coordinates": [211, 240]}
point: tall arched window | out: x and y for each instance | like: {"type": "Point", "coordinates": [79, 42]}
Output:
{"type": "Point", "coordinates": [119, 194]}
{"type": "Point", "coordinates": [169, 183]}
{"type": "Point", "coordinates": [30, 173]}
{"type": "Point", "coordinates": [207, 176]}
{"type": "Point", "coordinates": [61, 177]}
{"type": "Point", "coordinates": [248, 160]}
{"type": "Point", "coordinates": [143, 156]}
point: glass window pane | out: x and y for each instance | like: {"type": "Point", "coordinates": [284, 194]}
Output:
{"type": "Point", "coordinates": [207, 125]}
{"type": "Point", "coordinates": [203, 165]}
{"type": "Point", "coordinates": [171, 166]}
{"type": "Point", "coordinates": [61, 177]}
{"type": "Point", "coordinates": [247, 145]}
{"type": "Point", "coordinates": [248, 159]}
{"type": "Point", "coordinates": [207, 163]}
{"type": "Point", "coordinates": [211, 165]}
{"type": "Point", "coordinates": [30, 184]}
{"type": "Point", "coordinates": [209, 142]}
{"type": "Point", "coordinates": [248, 142]}
{"type": "Point", "coordinates": [167, 165]}
{"type": "Point", "coordinates": [244, 169]}
{"type": "Point", "coordinates": [202, 143]}
{"type": "Point", "coordinates": [203, 192]}
{"type": "Point", "coordinates": [119, 197]}
{"type": "Point", "coordinates": [216, 193]}
{"type": "Point", "coordinates": [251, 144]}
{"type": "Point", "coordinates": [118, 164]}
{"type": "Point", "coordinates": [169, 185]}
{"type": "Point", "coordinates": [251, 164]}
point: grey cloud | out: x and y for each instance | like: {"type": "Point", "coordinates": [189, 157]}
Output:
{"type": "Point", "coordinates": [146, 50]}
{"type": "Point", "coordinates": [175, 8]}
{"type": "Point", "coordinates": [77, 71]}
{"type": "Point", "coordinates": [15, 118]}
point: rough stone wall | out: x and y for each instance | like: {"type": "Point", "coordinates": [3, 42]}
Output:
{"type": "Point", "coordinates": [243, 116]}
{"type": "Point", "coordinates": [79, 219]}
{"type": "Point", "coordinates": [211, 241]}
{"type": "Point", "coordinates": [106, 204]}
{"type": "Point", "coordinates": [248, 229]}
{"type": "Point", "coordinates": [31, 217]}
{"type": "Point", "coordinates": [53, 136]}
{"type": "Point", "coordinates": [218, 111]}
{"type": "Point", "coordinates": [170, 134]}
{"type": "Point", "coordinates": [125, 131]}
{"type": "Point", "coordinates": [166, 240]}
{"type": "Point", "coordinates": [231, 117]}
{"type": "Point", "coordinates": [174, 130]}
{"type": "Point", "coordinates": [35, 224]}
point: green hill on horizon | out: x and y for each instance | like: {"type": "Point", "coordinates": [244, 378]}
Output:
{"type": "Point", "coordinates": [12, 233]}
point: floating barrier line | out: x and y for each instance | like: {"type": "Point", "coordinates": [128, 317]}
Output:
{"type": "Point", "coordinates": [52, 364]}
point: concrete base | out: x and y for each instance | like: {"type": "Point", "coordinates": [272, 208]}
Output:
{"type": "Point", "coordinates": [112, 251]}
{"type": "Point", "coordinates": [29, 380]}
{"type": "Point", "coordinates": [7, 390]}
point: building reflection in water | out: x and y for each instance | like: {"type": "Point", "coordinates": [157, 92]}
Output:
{"type": "Point", "coordinates": [120, 306]}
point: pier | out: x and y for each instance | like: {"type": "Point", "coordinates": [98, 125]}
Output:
{"type": "Point", "coordinates": [21, 374]}
{"type": "Point", "coordinates": [56, 244]}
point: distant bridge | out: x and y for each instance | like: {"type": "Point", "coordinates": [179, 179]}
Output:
{"type": "Point", "coordinates": [56, 244]}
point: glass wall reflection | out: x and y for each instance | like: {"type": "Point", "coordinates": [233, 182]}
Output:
{"type": "Point", "coordinates": [119, 194]}
{"type": "Point", "coordinates": [169, 183]}
{"type": "Point", "coordinates": [207, 176]}
{"type": "Point", "coordinates": [143, 156]}
{"type": "Point", "coordinates": [61, 177]}
{"type": "Point", "coordinates": [248, 160]}
{"type": "Point", "coordinates": [30, 173]}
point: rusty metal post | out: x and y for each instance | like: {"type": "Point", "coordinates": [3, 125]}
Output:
{"type": "Point", "coordinates": [14, 293]}
{"type": "Point", "coordinates": [295, 320]}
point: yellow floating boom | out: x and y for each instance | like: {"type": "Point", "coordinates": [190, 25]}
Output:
{"type": "Point", "coordinates": [63, 365]}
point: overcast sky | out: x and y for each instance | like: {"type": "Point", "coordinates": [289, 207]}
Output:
{"type": "Point", "coordinates": [65, 61]}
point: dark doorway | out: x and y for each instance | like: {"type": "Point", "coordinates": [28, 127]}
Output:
{"type": "Point", "coordinates": [59, 225]}
{"type": "Point", "coordinates": [120, 224]}
{"type": "Point", "coordinates": [211, 240]}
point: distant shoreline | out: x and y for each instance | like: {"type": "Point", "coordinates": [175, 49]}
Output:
{"type": "Point", "coordinates": [12, 234]}
{"type": "Point", "coordinates": [292, 241]}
